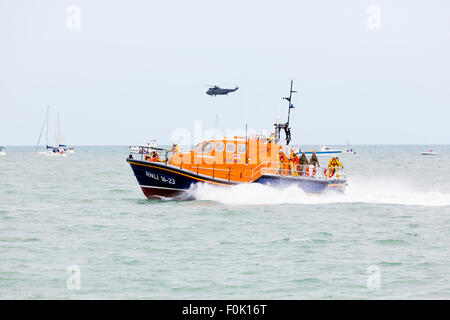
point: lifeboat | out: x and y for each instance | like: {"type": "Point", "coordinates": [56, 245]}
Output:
{"type": "Point", "coordinates": [227, 162]}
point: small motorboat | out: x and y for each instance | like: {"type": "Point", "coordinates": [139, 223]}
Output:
{"type": "Point", "coordinates": [429, 153]}
{"type": "Point", "coordinates": [329, 149]}
{"type": "Point", "coordinates": [145, 148]}
{"type": "Point", "coordinates": [349, 151]}
{"type": "Point", "coordinates": [323, 150]}
{"type": "Point", "coordinates": [2, 151]}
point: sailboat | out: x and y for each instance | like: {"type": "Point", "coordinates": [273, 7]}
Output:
{"type": "Point", "coordinates": [2, 151]}
{"type": "Point", "coordinates": [50, 150]}
{"type": "Point", "coordinates": [61, 143]}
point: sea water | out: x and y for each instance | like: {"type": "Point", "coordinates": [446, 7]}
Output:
{"type": "Point", "coordinates": [80, 228]}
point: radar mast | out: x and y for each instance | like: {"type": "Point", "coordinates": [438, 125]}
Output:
{"type": "Point", "coordinates": [285, 126]}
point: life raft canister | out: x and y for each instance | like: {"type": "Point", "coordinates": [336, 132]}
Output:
{"type": "Point", "coordinates": [313, 173]}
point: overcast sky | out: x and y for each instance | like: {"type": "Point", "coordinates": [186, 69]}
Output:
{"type": "Point", "coordinates": [124, 72]}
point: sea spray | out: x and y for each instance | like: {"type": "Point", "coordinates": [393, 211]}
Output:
{"type": "Point", "coordinates": [374, 190]}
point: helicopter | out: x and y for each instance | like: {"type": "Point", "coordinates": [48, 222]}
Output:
{"type": "Point", "coordinates": [216, 91]}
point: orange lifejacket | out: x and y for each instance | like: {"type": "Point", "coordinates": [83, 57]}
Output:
{"type": "Point", "coordinates": [284, 163]}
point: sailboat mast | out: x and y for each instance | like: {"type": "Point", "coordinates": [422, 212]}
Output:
{"type": "Point", "coordinates": [59, 131]}
{"type": "Point", "coordinates": [46, 145]}
{"type": "Point", "coordinates": [55, 141]}
{"type": "Point", "coordinates": [40, 135]}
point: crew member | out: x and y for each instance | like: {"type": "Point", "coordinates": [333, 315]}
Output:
{"type": "Point", "coordinates": [155, 157]}
{"type": "Point", "coordinates": [292, 164]}
{"type": "Point", "coordinates": [284, 163]}
{"type": "Point", "coordinates": [280, 157]}
{"type": "Point", "coordinates": [271, 139]}
{"type": "Point", "coordinates": [302, 163]}
{"type": "Point", "coordinates": [296, 162]}
{"type": "Point", "coordinates": [175, 149]}
{"type": "Point", "coordinates": [314, 161]}
{"type": "Point", "coordinates": [333, 166]}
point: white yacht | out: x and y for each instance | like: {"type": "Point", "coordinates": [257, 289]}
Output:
{"type": "Point", "coordinates": [143, 148]}
{"type": "Point", "coordinates": [429, 153]}
{"type": "Point", "coordinates": [323, 150]}
{"type": "Point", "coordinates": [54, 150]}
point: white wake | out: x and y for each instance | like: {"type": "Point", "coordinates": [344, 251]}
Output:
{"type": "Point", "coordinates": [360, 190]}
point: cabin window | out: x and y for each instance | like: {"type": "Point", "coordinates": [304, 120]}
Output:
{"type": "Point", "coordinates": [231, 147]}
{"type": "Point", "coordinates": [241, 148]}
{"type": "Point", "coordinates": [206, 147]}
{"type": "Point", "coordinates": [219, 146]}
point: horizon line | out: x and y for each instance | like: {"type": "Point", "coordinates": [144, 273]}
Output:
{"type": "Point", "coordinates": [305, 144]}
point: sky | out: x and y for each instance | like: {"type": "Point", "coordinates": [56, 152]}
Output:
{"type": "Point", "coordinates": [125, 72]}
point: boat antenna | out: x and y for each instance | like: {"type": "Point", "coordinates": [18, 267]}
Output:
{"type": "Point", "coordinates": [291, 106]}
{"type": "Point", "coordinates": [285, 126]}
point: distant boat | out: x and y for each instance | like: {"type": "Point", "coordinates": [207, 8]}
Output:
{"type": "Point", "coordinates": [323, 150]}
{"type": "Point", "coordinates": [143, 148]}
{"type": "Point", "coordinates": [348, 149]}
{"type": "Point", "coordinates": [2, 151]}
{"type": "Point", "coordinates": [429, 153]}
{"type": "Point", "coordinates": [51, 151]}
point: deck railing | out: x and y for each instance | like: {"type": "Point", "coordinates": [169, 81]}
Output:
{"type": "Point", "coordinates": [299, 171]}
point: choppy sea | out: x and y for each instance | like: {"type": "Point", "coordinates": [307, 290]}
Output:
{"type": "Point", "coordinates": [80, 228]}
